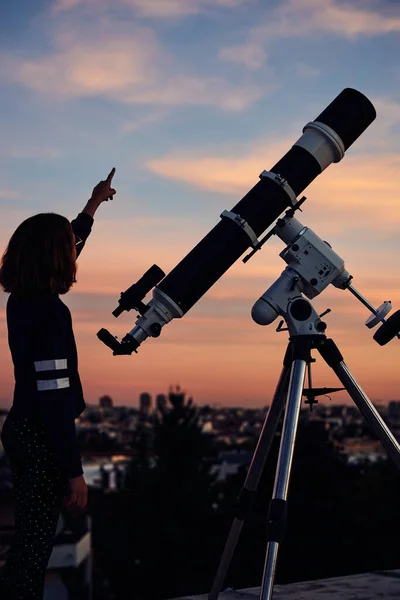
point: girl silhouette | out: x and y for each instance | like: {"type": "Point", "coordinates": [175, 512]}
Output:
{"type": "Point", "coordinates": [39, 435]}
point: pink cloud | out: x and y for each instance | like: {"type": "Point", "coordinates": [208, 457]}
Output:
{"type": "Point", "coordinates": [225, 172]}
{"type": "Point", "coordinates": [83, 67]}
{"type": "Point", "coordinates": [132, 69]}
{"type": "Point", "coordinates": [352, 186]}
{"type": "Point", "coordinates": [154, 8]}
{"type": "Point", "coordinates": [300, 18]}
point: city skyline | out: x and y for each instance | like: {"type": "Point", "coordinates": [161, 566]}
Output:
{"type": "Point", "coordinates": [190, 101]}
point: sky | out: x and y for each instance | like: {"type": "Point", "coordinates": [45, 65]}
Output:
{"type": "Point", "coordinates": [191, 100]}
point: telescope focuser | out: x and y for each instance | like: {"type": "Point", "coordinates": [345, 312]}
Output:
{"type": "Point", "coordinates": [127, 346]}
{"type": "Point", "coordinates": [132, 298]}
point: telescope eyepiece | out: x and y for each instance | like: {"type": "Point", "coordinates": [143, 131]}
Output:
{"type": "Point", "coordinates": [108, 339]}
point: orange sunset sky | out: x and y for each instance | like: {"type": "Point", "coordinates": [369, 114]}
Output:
{"type": "Point", "coordinates": [190, 100]}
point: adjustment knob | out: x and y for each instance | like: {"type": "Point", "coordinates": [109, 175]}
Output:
{"type": "Point", "coordinates": [155, 329]}
{"type": "Point", "coordinates": [388, 330]}
{"type": "Point", "coordinates": [381, 313]}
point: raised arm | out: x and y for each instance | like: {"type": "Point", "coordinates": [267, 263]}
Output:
{"type": "Point", "coordinates": [82, 225]}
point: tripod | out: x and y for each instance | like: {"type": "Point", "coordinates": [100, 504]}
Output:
{"type": "Point", "coordinates": [290, 386]}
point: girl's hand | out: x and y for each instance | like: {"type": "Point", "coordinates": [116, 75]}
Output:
{"type": "Point", "coordinates": [76, 502]}
{"type": "Point", "coordinates": [103, 190]}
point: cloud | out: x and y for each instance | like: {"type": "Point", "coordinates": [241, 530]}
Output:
{"type": "Point", "coordinates": [389, 110]}
{"type": "Point", "coordinates": [388, 115]}
{"type": "Point", "coordinates": [113, 64]}
{"type": "Point", "coordinates": [305, 70]}
{"type": "Point", "coordinates": [358, 187]}
{"type": "Point", "coordinates": [344, 19]}
{"type": "Point", "coordinates": [232, 173]}
{"type": "Point", "coordinates": [31, 150]}
{"type": "Point", "coordinates": [131, 68]}
{"type": "Point", "coordinates": [65, 5]}
{"type": "Point", "coordinates": [154, 8]}
{"type": "Point", "coordinates": [135, 124]}
{"type": "Point", "coordinates": [251, 55]}
{"type": "Point", "coordinates": [301, 18]}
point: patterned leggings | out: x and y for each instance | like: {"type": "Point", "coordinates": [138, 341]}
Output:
{"type": "Point", "coordinates": [39, 489]}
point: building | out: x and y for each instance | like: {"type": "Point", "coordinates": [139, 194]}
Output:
{"type": "Point", "coordinates": [145, 403]}
{"type": "Point", "coordinates": [161, 402]}
{"type": "Point", "coordinates": [3, 415]}
{"type": "Point", "coordinates": [394, 410]}
{"type": "Point", "coordinates": [105, 402]}
{"type": "Point", "coordinates": [176, 397]}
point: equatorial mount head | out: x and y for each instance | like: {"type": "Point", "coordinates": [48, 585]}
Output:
{"type": "Point", "coordinates": [312, 265]}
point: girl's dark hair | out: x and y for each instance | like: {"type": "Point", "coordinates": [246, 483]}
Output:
{"type": "Point", "coordinates": [40, 256]}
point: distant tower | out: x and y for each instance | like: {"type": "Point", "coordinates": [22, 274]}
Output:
{"type": "Point", "coordinates": [105, 402]}
{"type": "Point", "coordinates": [176, 396]}
{"type": "Point", "coordinates": [394, 410]}
{"type": "Point", "coordinates": [161, 402]}
{"type": "Point", "coordinates": [145, 403]}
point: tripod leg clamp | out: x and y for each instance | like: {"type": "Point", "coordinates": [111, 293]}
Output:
{"type": "Point", "coordinates": [330, 353]}
{"type": "Point", "coordinates": [277, 516]}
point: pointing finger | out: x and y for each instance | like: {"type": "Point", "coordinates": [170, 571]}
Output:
{"type": "Point", "coordinates": [111, 175]}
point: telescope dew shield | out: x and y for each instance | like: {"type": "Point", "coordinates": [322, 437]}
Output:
{"type": "Point", "coordinates": [324, 141]}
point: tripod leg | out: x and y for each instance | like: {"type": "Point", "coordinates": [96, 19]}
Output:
{"type": "Point", "coordinates": [250, 485]}
{"type": "Point", "coordinates": [277, 509]}
{"type": "Point", "coordinates": [331, 354]}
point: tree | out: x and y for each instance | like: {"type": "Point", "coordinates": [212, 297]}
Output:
{"type": "Point", "coordinates": [171, 518]}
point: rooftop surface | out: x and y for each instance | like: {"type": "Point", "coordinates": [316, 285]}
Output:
{"type": "Point", "coordinates": [364, 586]}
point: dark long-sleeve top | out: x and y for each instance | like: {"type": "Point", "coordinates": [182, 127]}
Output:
{"type": "Point", "coordinates": [47, 383]}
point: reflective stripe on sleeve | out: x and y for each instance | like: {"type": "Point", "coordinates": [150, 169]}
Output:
{"type": "Point", "coordinates": [52, 384]}
{"type": "Point", "coordinates": [50, 365]}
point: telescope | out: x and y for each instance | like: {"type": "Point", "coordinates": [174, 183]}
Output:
{"type": "Point", "coordinates": [312, 265]}
{"type": "Point", "coordinates": [323, 141]}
